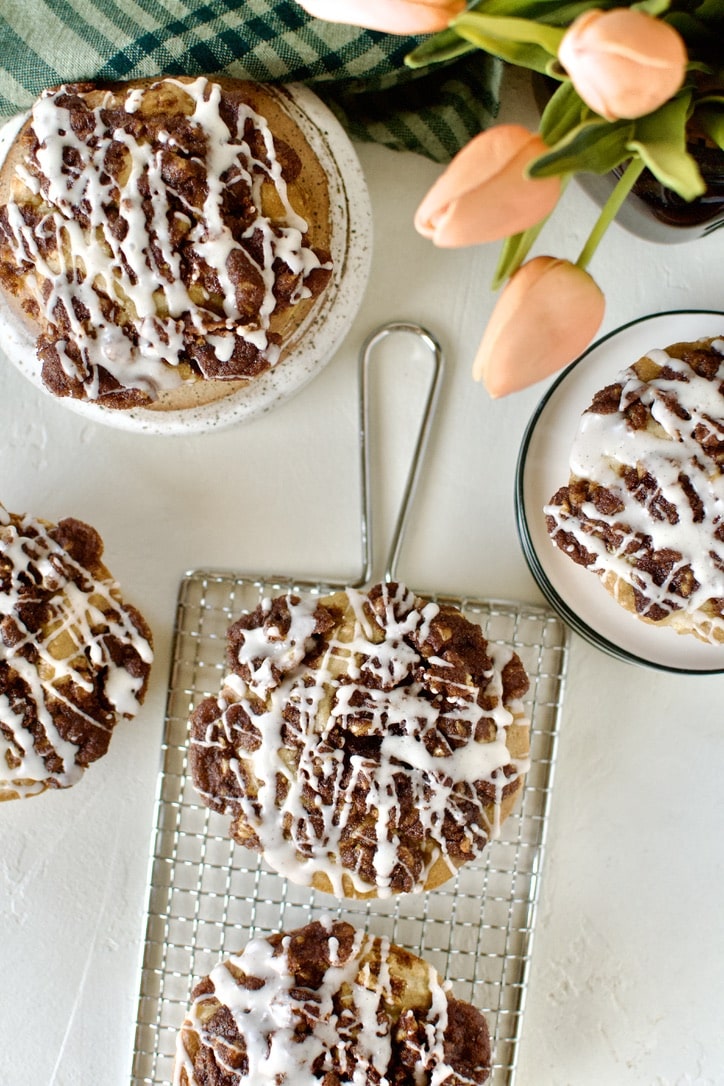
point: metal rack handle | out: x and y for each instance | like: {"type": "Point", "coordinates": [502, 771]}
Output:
{"type": "Point", "coordinates": [425, 426]}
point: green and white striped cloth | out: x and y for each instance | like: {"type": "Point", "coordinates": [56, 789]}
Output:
{"type": "Point", "coordinates": [359, 73]}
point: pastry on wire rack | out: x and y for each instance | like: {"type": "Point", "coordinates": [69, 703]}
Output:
{"type": "Point", "coordinates": [367, 743]}
{"type": "Point", "coordinates": [162, 239]}
{"type": "Point", "coordinates": [644, 505]}
{"type": "Point", "coordinates": [74, 657]}
{"type": "Point", "coordinates": [329, 1004]}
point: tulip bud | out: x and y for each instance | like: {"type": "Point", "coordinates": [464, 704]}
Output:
{"type": "Point", "coordinates": [390, 16]}
{"type": "Point", "coordinates": [547, 314]}
{"type": "Point", "coordinates": [623, 63]}
{"type": "Point", "coordinates": [484, 195]}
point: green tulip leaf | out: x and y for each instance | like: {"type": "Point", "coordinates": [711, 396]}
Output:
{"type": "Point", "coordinates": [509, 29]}
{"type": "Point", "coordinates": [440, 48]}
{"type": "Point", "coordinates": [710, 9]}
{"type": "Point", "coordinates": [564, 14]}
{"type": "Point", "coordinates": [711, 122]}
{"type": "Point", "coordinates": [522, 56]}
{"type": "Point", "coordinates": [513, 252]}
{"type": "Point", "coordinates": [660, 141]}
{"type": "Point", "coordinates": [697, 33]}
{"type": "Point", "coordinates": [676, 170]}
{"type": "Point", "coordinates": [716, 100]}
{"type": "Point", "coordinates": [593, 147]}
{"type": "Point", "coordinates": [563, 112]}
{"type": "Point", "coordinates": [551, 12]}
{"type": "Point", "coordinates": [652, 7]}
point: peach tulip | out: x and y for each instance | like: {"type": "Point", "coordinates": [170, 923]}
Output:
{"type": "Point", "coordinates": [484, 195]}
{"type": "Point", "coordinates": [623, 63]}
{"type": "Point", "coordinates": [547, 314]}
{"type": "Point", "coordinates": [391, 16]}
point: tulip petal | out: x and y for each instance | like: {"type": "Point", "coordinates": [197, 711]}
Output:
{"type": "Point", "coordinates": [484, 194]}
{"type": "Point", "coordinates": [389, 16]}
{"type": "Point", "coordinates": [623, 63]}
{"type": "Point", "coordinates": [548, 313]}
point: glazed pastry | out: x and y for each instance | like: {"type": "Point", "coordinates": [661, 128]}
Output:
{"type": "Point", "coordinates": [74, 658]}
{"type": "Point", "coordinates": [329, 1004]}
{"type": "Point", "coordinates": [644, 506]}
{"type": "Point", "coordinates": [367, 743]}
{"type": "Point", "coordinates": [163, 240]}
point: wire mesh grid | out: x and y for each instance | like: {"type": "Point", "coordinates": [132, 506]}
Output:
{"type": "Point", "coordinates": [208, 895]}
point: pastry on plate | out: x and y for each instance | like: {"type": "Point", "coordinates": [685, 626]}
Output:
{"type": "Point", "coordinates": [643, 508]}
{"type": "Point", "coordinates": [74, 657]}
{"type": "Point", "coordinates": [329, 1004]}
{"type": "Point", "coordinates": [367, 743]}
{"type": "Point", "coordinates": [162, 240]}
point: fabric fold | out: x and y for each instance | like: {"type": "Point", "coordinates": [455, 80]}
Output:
{"type": "Point", "coordinates": [361, 74]}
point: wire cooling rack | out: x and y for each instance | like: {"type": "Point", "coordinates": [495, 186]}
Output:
{"type": "Point", "coordinates": [208, 895]}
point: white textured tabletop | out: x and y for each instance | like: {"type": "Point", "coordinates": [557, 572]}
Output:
{"type": "Point", "coordinates": [627, 982]}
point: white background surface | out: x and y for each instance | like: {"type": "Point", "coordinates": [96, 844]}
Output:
{"type": "Point", "coordinates": [627, 984]}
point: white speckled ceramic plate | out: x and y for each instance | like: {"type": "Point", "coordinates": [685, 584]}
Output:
{"type": "Point", "coordinates": [576, 594]}
{"type": "Point", "coordinates": [318, 337]}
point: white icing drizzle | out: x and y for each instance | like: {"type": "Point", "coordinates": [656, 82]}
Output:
{"type": "Point", "coordinates": [139, 263]}
{"type": "Point", "coordinates": [83, 616]}
{"type": "Point", "coordinates": [371, 724]}
{"type": "Point", "coordinates": [688, 409]}
{"type": "Point", "coordinates": [296, 1034]}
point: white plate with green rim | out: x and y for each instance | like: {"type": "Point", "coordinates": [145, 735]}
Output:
{"type": "Point", "coordinates": [543, 467]}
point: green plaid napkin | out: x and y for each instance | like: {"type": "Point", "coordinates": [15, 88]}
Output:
{"type": "Point", "coordinates": [359, 73]}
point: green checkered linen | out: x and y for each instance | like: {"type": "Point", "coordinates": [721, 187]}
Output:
{"type": "Point", "coordinates": [359, 73]}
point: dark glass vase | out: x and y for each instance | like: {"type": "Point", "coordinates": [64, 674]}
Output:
{"type": "Point", "coordinates": [651, 210]}
{"type": "Point", "coordinates": [656, 213]}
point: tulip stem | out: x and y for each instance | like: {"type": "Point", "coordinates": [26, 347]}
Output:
{"type": "Point", "coordinates": [610, 209]}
